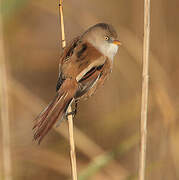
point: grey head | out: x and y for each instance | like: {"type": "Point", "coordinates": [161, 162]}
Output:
{"type": "Point", "coordinates": [104, 37]}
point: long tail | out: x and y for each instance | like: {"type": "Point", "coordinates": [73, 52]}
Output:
{"type": "Point", "coordinates": [55, 110]}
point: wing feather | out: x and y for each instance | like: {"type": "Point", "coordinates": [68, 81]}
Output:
{"type": "Point", "coordinates": [67, 53]}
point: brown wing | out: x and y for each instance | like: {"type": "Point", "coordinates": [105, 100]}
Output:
{"type": "Point", "coordinates": [69, 50]}
{"type": "Point", "coordinates": [94, 79]}
{"type": "Point", "coordinates": [66, 55]}
{"type": "Point", "coordinates": [84, 58]}
{"type": "Point", "coordinates": [88, 81]}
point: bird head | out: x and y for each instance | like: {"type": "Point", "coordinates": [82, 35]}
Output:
{"type": "Point", "coordinates": [103, 37]}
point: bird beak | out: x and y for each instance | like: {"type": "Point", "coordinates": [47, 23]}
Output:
{"type": "Point", "coordinates": [117, 42]}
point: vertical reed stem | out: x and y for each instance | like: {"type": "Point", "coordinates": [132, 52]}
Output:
{"type": "Point", "coordinates": [145, 85]}
{"type": "Point", "coordinates": [4, 111]}
{"type": "Point", "coordinates": [70, 117]}
{"type": "Point", "coordinates": [62, 24]}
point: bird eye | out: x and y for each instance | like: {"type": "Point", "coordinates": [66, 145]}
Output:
{"type": "Point", "coordinates": [106, 38]}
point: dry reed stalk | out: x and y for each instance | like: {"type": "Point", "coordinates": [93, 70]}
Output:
{"type": "Point", "coordinates": [134, 46]}
{"type": "Point", "coordinates": [4, 110]}
{"type": "Point", "coordinates": [70, 117]}
{"type": "Point", "coordinates": [145, 87]}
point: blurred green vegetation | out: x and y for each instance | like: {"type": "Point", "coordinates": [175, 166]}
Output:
{"type": "Point", "coordinates": [102, 160]}
{"type": "Point", "coordinates": [10, 7]}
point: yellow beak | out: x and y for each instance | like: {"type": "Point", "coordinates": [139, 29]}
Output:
{"type": "Point", "coordinates": [117, 42]}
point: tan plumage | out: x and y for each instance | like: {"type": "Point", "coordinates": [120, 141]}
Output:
{"type": "Point", "coordinates": [84, 66]}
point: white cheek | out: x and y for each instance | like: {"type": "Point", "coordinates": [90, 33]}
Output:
{"type": "Point", "coordinates": [112, 50]}
{"type": "Point", "coordinates": [108, 49]}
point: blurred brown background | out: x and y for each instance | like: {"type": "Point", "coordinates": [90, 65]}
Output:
{"type": "Point", "coordinates": [107, 125]}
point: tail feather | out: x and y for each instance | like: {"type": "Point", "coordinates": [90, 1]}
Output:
{"type": "Point", "coordinates": [55, 110]}
{"type": "Point", "coordinates": [49, 119]}
{"type": "Point", "coordinates": [41, 117]}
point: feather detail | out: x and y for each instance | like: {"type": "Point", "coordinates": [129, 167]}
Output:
{"type": "Point", "coordinates": [55, 110]}
{"type": "Point", "coordinates": [96, 63]}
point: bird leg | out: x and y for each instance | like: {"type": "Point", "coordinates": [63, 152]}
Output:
{"type": "Point", "coordinates": [73, 112]}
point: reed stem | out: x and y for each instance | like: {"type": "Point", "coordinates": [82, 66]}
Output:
{"type": "Point", "coordinates": [4, 111]}
{"type": "Point", "coordinates": [145, 87]}
{"type": "Point", "coordinates": [70, 117]}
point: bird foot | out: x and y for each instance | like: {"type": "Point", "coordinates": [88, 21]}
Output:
{"type": "Point", "coordinates": [73, 113]}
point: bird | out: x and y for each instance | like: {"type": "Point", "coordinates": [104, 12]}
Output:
{"type": "Point", "coordinates": [85, 64]}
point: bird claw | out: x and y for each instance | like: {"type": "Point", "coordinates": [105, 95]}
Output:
{"type": "Point", "coordinates": [73, 113]}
